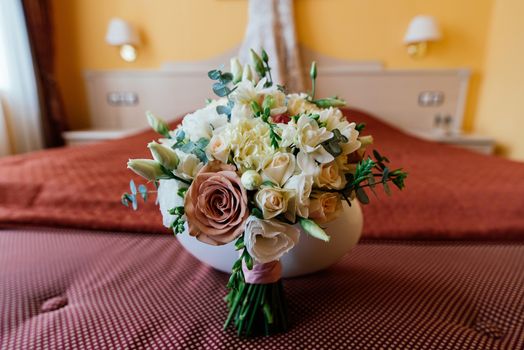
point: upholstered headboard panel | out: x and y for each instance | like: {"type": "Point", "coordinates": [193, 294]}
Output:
{"type": "Point", "coordinates": [411, 99]}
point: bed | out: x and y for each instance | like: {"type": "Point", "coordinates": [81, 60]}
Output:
{"type": "Point", "coordinates": [439, 265]}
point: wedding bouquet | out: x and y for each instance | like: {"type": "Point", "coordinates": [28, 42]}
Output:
{"type": "Point", "coordinates": [248, 168]}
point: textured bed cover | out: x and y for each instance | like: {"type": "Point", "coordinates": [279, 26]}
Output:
{"type": "Point", "coordinates": [67, 289]}
{"type": "Point", "coordinates": [451, 193]}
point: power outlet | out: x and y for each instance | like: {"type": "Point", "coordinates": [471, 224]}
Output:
{"type": "Point", "coordinates": [430, 98]}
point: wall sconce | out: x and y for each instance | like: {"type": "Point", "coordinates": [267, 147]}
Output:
{"type": "Point", "coordinates": [421, 30]}
{"type": "Point", "coordinates": [122, 34]}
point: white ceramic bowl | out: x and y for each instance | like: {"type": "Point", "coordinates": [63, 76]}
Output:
{"type": "Point", "coordinates": [308, 256]}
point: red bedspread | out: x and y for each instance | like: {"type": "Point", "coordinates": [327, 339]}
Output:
{"type": "Point", "coordinates": [67, 289]}
{"type": "Point", "coordinates": [451, 193]}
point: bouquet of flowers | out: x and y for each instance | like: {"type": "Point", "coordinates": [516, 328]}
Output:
{"type": "Point", "coordinates": [248, 168]}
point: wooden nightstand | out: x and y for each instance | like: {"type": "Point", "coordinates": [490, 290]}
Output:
{"type": "Point", "coordinates": [83, 137]}
{"type": "Point", "coordinates": [477, 143]}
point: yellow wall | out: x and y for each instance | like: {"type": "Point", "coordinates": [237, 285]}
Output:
{"type": "Point", "coordinates": [501, 114]}
{"type": "Point", "coordinates": [197, 29]}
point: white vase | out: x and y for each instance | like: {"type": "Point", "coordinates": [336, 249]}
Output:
{"type": "Point", "coordinates": [308, 256]}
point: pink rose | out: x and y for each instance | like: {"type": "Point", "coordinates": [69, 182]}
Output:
{"type": "Point", "coordinates": [216, 204]}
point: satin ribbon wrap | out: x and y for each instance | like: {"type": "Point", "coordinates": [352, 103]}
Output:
{"type": "Point", "coordinates": [266, 273]}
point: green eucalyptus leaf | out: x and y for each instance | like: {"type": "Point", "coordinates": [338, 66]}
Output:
{"type": "Point", "coordinates": [214, 74]}
{"type": "Point", "coordinates": [226, 77]}
{"type": "Point", "coordinates": [142, 189]}
{"type": "Point", "coordinates": [132, 186]}
{"type": "Point", "coordinates": [224, 110]}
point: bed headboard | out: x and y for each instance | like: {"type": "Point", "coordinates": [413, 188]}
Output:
{"type": "Point", "coordinates": [411, 99]}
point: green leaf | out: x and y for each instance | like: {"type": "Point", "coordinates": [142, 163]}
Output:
{"type": "Point", "coordinates": [132, 186]}
{"type": "Point", "coordinates": [182, 192]}
{"type": "Point", "coordinates": [134, 202]}
{"type": "Point", "coordinates": [220, 89]}
{"type": "Point", "coordinates": [202, 143]}
{"type": "Point", "coordinates": [312, 228]}
{"type": "Point", "coordinates": [124, 200]}
{"type": "Point", "coordinates": [248, 260]}
{"type": "Point", "coordinates": [224, 110]}
{"type": "Point", "coordinates": [226, 77]}
{"type": "Point", "coordinates": [143, 192]}
{"type": "Point", "coordinates": [257, 212]}
{"type": "Point", "coordinates": [269, 184]}
{"type": "Point", "coordinates": [377, 155]}
{"type": "Point", "coordinates": [239, 244]}
{"type": "Point", "coordinates": [265, 56]}
{"type": "Point", "coordinates": [362, 195]}
{"type": "Point", "coordinates": [329, 102]}
{"type": "Point", "coordinates": [360, 127]}
{"type": "Point", "coordinates": [387, 189]}
{"type": "Point", "coordinates": [214, 74]}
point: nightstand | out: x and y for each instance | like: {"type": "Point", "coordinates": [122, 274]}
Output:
{"type": "Point", "coordinates": [83, 137]}
{"type": "Point", "coordinates": [473, 142]}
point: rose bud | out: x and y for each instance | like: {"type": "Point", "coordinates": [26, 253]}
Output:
{"type": "Point", "coordinates": [149, 169]}
{"type": "Point", "coordinates": [251, 180]}
{"type": "Point", "coordinates": [236, 70]}
{"type": "Point", "coordinates": [365, 140]}
{"type": "Point", "coordinates": [157, 124]}
{"type": "Point", "coordinates": [164, 155]}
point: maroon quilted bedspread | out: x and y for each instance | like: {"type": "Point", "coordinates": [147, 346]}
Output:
{"type": "Point", "coordinates": [67, 289]}
{"type": "Point", "coordinates": [451, 193]}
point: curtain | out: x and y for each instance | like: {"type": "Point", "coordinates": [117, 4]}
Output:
{"type": "Point", "coordinates": [38, 14]}
{"type": "Point", "coordinates": [20, 125]}
{"type": "Point", "coordinates": [271, 26]}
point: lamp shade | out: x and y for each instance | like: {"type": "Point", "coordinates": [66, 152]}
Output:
{"type": "Point", "coordinates": [421, 29]}
{"type": "Point", "coordinates": [121, 32]}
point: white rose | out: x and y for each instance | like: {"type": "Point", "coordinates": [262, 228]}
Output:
{"type": "Point", "coordinates": [310, 137]}
{"type": "Point", "coordinates": [324, 207]}
{"type": "Point", "coordinates": [274, 201]}
{"type": "Point", "coordinates": [269, 240]}
{"type": "Point", "coordinates": [251, 180]}
{"type": "Point", "coordinates": [302, 185]}
{"type": "Point", "coordinates": [280, 169]}
{"type": "Point", "coordinates": [330, 176]}
{"type": "Point", "coordinates": [188, 166]}
{"type": "Point", "coordinates": [218, 148]}
{"type": "Point", "coordinates": [169, 199]}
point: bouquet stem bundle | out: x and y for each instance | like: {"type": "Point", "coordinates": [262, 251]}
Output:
{"type": "Point", "coordinates": [257, 309]}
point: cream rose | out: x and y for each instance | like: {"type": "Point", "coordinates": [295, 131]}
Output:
{"type": "Point", "coordinates": [218, 148]}
{"type": "Point", "coordinates": [330, 176]}
{"type": "Point", "coordinates": [216, 204]}
{"type": "Point", "coordinates": [274, 201]}
{"type": "Point", "coordinates": [280, 169]}
{"type": "Point", "coordinates": [302, 185]}
{"type": "Point", "coordinates": [269, 240]}
{"type": "Point", "coordinates": [324, 207]}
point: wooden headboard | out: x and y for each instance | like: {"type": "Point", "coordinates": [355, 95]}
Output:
{"type": "Point", "coordinates": [411, 99]}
